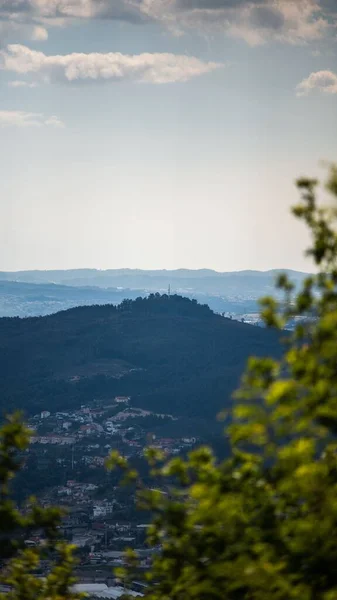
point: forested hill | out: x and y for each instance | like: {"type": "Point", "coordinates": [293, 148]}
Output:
{"type": "Point", "coordinates": [169, 353]}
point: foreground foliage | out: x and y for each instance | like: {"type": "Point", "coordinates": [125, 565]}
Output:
{"type": "Point", "coordinates": [20, 564]}
{"type": "Point", "coordinates": [263, 524]}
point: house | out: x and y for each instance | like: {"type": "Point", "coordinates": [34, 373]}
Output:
{"type": "Point", "coordinates": [190, 441]}
{"type": "Point", "coordinates": [45, 414]}
{"type": "Point", "coordinates": [64, 491]}
{"type": "Point", "coordinates": [52, 439]}
{"type": "Point", "coordinates": [89, 487]}
{"type": "Point", "coordinates": [97, 412]}
{"type": "Point", "coordinates": [110, 427]}
{"type": "Point", "coordinates": [91, 428]}
{"type": "Point", "coordinates": [98, 460]}
{"type": "Point", "coordinates": [122, 399]}
{"type": "Point", "coordinates": [102, 509]}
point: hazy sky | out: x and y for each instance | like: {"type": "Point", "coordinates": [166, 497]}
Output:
{"type": "Point", "coordinates": [161, 133]}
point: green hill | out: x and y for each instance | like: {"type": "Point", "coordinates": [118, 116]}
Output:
{"type": "Point", "coordinates": [169, 353]}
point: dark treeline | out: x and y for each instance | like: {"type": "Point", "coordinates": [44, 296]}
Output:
{"type": "Point", "coordinates": [171, 354]}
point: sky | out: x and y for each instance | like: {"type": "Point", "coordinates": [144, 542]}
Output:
{"type": "Point", "coordinates": [162, 133]}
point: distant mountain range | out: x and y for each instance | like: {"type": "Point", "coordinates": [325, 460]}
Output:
{"type": "Point", "coordinates": [33, 293]}
{"type": "Point", "coordinates": [202, 280]}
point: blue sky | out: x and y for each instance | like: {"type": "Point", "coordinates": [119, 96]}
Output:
{"type": "Point", "coordinates": [161, 133]}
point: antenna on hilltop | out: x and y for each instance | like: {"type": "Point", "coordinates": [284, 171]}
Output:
{"type": "Point", "coordinates": [169, 290]}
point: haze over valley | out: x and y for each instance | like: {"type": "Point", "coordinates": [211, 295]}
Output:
{"type": "Point", "coordinates": [35, 293]}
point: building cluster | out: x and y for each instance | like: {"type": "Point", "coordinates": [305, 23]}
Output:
{"type": "Point", "coordinates": [68, 454]}
{"type": "Point", "coordinates": [116, 421]}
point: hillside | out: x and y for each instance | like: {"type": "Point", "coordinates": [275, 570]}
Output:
{"type": "Point", "coordinates": [169, 354]}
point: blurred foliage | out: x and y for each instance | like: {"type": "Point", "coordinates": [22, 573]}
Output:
{"type": "Point", "coordinates": [22, 563]}
{"type": "Point", "coordinates": [262, 524]}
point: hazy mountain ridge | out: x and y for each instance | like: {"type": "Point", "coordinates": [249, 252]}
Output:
{"type": "Point", "coordinates": [21, 299]}
{"type": "Point", "coordinates": [68, 275]}
{"type": "Point", "coordinates": [34, 293]}
{"type": "Point", "coordinates": [38, 299]}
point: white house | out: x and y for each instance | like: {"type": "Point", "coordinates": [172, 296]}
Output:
{"type": "Point", "coordinates": [122, 399]}
{"type": "Point", "coordinates": [102, 510]}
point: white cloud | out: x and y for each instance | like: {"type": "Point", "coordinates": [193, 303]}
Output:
{"type": "Point", "coordinates": [21, 83]}
{"type": "Point", "coordinates": [151, 68]}
{"type": "Point", "coordinates": [29, 19]}
{"type": "Point", "coordinates": [280, 20]}
{"type": "Point", "coordinates": [54, 121]}
{"type": "Point", "coordinates": [39, 34]}
{"type": "Point", "coordinates": [18, 31]}
{"type": "Point", "coordinates": [20, 118]}
{"type": "Point", "coordinates": [58, 11]}
{"type": "Point", "coordinates": [323, 81]}
{"type": "Point", "coordinates": [254, 21]}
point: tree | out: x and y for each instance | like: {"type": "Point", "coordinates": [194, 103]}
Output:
{"type": "Point", "coordinates": [263, 524]}
{"type": "Point", "coordinates": [20, 563]}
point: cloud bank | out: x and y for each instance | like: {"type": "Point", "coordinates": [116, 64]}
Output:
{"type": "Point", "coordinates": [323, 81]}
{"type": "Point", "coordinates": [154, 68]}
{"type": "Point", "coordinates": [128, 10]}
{"type": "Point", "coordinates": [20, 118]}
{"type": "Point", "coordinates": [254, 21]}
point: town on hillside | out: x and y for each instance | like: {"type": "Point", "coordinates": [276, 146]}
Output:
{"type": "Point", "coordinates": [67, 460]}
